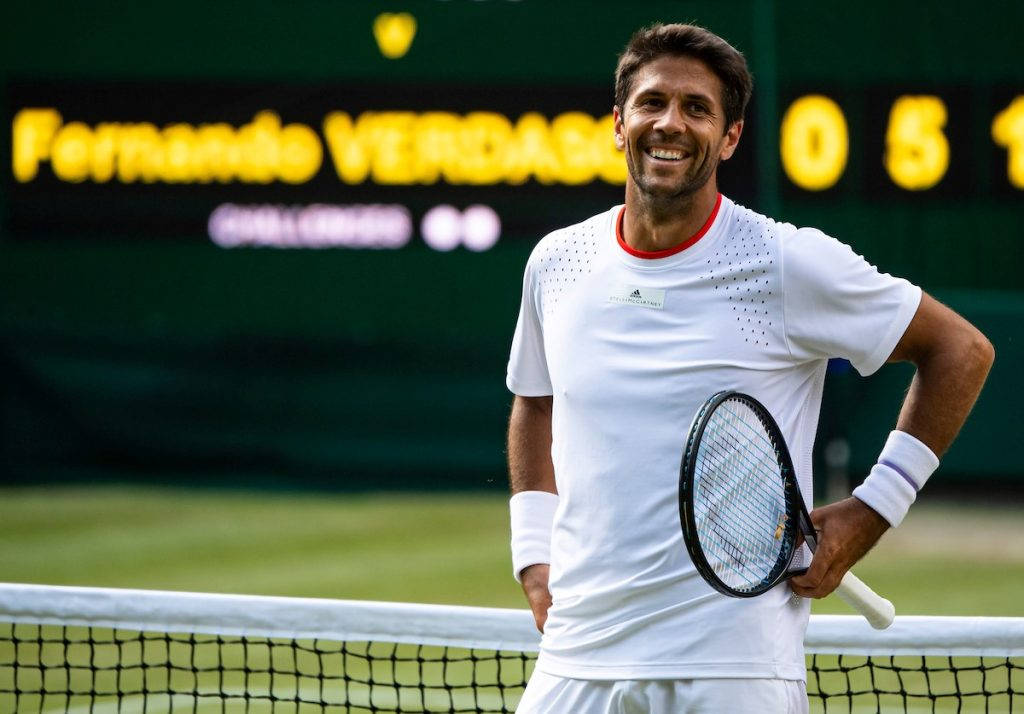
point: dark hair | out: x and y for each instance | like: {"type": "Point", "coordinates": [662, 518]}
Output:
{"type": "Point", "coordinates": [650, 43]}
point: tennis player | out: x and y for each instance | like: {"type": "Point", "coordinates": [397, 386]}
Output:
{"type": "Point", "coordinates": [629, 321]}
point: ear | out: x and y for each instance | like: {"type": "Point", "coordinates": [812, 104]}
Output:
{"type": "Point", "coordinates": [620, 137]}
{"type": "Point", "coordinates": [732, 140]}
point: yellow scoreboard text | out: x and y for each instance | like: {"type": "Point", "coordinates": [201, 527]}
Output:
{"type": "Point", "coordinates": [388, 147]}
{"type": "Point", "coordinates": [477, 148]}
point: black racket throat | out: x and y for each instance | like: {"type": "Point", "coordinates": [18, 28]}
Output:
{"type": "Point", "coordinates": [740, 506]}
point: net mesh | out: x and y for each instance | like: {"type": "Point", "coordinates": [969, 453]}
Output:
{"type": "Point", "coordinates": [55, 669]}
{"type": "Point", "coordinates": [851, 683]}
{"type": "Point", "coordinates": [46, 666]}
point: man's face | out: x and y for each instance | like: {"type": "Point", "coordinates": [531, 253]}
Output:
{"type": "Point", "coordinates": [672, 127]}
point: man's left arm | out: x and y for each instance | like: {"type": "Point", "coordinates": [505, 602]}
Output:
{"type": "Point", "coordinates": [953, 359]}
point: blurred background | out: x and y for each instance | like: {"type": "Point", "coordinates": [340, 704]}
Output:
{"type": "Point", "coordinates": [260, 265]}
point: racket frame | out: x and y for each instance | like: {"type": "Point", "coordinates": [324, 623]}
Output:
{"type": "Point", "coordinates": [797, 521]}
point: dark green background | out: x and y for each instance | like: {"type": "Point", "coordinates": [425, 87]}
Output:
{"type": "Point", "coordinates": [172, 359]}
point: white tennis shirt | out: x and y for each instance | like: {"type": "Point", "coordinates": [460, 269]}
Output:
{"type": "Point", "coordinates": [629, 345]}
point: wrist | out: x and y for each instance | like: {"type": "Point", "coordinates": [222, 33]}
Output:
{"type": "Point", "coordinates": [534, 577]}
{"type": "Point", "coordinates": [532, 515]}
{"type": "Point", "coordinates": [904, 466]}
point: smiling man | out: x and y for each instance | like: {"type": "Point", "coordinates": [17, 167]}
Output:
{"type": "Point", "coordinates": [628, 322]}
{"type": "Point", "coordinates": [675, 127]}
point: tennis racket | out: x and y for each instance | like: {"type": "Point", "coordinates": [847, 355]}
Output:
{"type": "Point", "coordinates": [741, 508]}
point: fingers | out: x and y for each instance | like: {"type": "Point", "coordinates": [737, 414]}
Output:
{"type": "Point", "coordinates": [815, 581]}
{"type": "Point", "coordinates": [540, 618]}
{"type": "Point", "coordinates": [846, 531]}
{"type": "Point", "coordinates": [825, 571]}
{"type": "Point", "coordinates": [821, 578]}
{"type": "Point", "coordinates": [540, 609]}
{"type": "Point", "coordinates": [535, 586]}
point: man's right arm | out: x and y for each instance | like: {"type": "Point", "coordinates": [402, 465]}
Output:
{"type": "Point", "coordinates": [530, 469]}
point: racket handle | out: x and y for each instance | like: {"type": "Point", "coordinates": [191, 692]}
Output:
{"type": "Point", "coordinates": [878, 611]}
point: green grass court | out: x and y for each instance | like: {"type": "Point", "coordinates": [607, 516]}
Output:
{"type": "Point", "coordinates": [443, 548]}
{"type": "Point", "coordinates": [945, 559]}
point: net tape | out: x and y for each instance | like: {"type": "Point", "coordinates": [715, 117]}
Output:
{"type": "Point", "coordinates": [100, 650]}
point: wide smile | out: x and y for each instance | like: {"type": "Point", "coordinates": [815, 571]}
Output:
{"type": "Point", "coordinates": [667, 154]}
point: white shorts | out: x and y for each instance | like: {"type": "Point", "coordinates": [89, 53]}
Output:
{"type": "Point", "coordinates": [548, 694]}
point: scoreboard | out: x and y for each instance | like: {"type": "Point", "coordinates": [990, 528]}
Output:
{"type": "Point", "coordinates": [315, 214]}
{"type": "Point", "coordinates": [299, 166]}
{"type": "Point", "coordinates": [466, 123]}
{"type": "Point", "coordinates": [307, 166]}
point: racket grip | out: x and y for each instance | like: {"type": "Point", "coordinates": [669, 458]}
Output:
{"type": "Point", "coordinates": [878, 611]}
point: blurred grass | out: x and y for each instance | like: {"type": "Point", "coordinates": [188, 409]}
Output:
{"type": "Point", "coordinates": [445, 548]}
{"type": "Point", "coordinates": [948, 558]}
{"type": "Point", "coordinates": [452, 548]}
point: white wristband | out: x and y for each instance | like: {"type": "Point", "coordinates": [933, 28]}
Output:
{"type": "Point", "coordinates": [903, 468]}
{"type": "Point", "coordinates": [533, 513]}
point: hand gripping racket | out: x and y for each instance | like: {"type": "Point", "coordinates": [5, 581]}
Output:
{"type": "Point", "coordinates": [741, 508]}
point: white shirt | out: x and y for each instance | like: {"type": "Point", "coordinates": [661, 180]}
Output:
{"type": "Point", "coordinates": [630, 345]}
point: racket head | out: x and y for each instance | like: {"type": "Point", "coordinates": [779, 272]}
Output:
{"type": "Point", "coordinates": [739, 501]}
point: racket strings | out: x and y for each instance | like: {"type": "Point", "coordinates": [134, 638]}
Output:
{"type": "Point", "coordinates": [740, 504]}
{"type": "Point", "coordinates": [739, 548]}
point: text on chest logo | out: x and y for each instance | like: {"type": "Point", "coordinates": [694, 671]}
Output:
{"type": "Point", "coordinates": [638, 296]}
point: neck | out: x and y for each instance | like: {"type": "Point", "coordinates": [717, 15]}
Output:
{"type": "Point", "coordinates": [650, 225]}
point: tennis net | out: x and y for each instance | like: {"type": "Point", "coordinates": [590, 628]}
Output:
{"type": "Point", "coordinates": [102, 650]}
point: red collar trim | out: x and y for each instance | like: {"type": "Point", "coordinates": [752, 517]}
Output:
{"type": "Point", "coordinates": [653, 254]}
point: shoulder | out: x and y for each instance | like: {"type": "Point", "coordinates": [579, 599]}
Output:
{"type": "Point", "coordinates": [799, 247]}
{"type": "Point", "coordinates": [809, 251]}
{"type": "Point", "coordinates": [573, 244]}
{"type": "Point", "coordinates": [744, 222]}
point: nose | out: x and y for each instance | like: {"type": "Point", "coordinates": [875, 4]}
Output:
{"type": "Point", "coordinates": [671, 120]}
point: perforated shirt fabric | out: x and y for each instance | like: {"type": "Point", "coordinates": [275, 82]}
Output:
{"type": "Point", "coordinates": [629, 347]}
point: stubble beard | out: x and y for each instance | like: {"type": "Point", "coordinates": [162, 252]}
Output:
{"type": "Point", "coordinates": [668, 201]}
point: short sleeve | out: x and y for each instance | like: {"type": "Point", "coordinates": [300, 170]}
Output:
{"type": "Point", "coordinates": [836, 304]}
{"type": "Point", "coordinates": [527, 374]}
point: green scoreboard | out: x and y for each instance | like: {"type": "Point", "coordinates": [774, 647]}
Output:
{"type": "Point", "coordinates": [284, 241]}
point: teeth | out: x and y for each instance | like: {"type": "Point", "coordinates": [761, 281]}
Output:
{"type": "Point", "coordinates": [666, 154]}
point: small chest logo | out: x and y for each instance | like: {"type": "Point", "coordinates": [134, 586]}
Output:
{"type": "Point", "coordinates": [641, 297]}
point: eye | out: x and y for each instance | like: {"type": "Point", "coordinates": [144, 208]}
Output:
{"type": "Point", "coordinates": [698, 108]}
